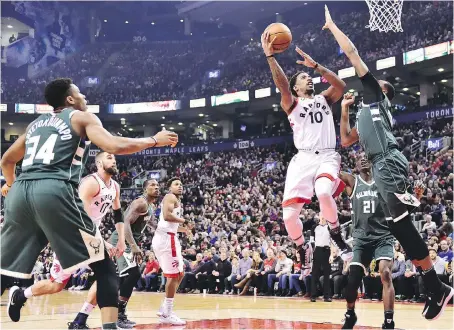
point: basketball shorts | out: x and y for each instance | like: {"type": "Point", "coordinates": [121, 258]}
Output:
{"type": "Point", "coordinates": [304, 168]}
{"type": "Point", "coordinates": [364, 252]}
{"type": "Point", "coordinates": [126, 261]}
{"type": "Point", "coordinates": [42, 211]}
{"type": "Point", "coordinates": [167, 249]}
{"type": "Point", "coordinates": [57, 274]}
{"type": "Point", "coordinates": [390, 172]}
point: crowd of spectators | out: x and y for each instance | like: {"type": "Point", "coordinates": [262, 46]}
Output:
{"type": "Point", "coordinates": [132, 72]}
{"type": "Point", "coordinates": [239, 243]}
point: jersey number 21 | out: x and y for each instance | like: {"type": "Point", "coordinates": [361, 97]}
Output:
{"type": "Point", "coordinates": [369, 206]}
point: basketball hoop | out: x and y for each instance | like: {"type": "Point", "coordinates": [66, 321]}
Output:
{"type": "Point", "coordinates": [385, 15]}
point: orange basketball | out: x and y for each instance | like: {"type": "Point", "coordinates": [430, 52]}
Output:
{"type": "Point", "coordinates": [282, 34]}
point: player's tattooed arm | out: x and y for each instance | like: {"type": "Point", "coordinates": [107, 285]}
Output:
{"type": "Point", "coordinates": [348, 135]}
{"type": "Point", "coordinates": [346, 45]}
{"type": "Point", "coordinates": [349, 181]}
{"type": "Point", "coordinates": [9, 160]}
{"type": "Point", "coordinates": [138, 207]}
{"type": "Point", "coordinates": [279, 77]}
{"type": "Point", "coordinates": [168, 205]}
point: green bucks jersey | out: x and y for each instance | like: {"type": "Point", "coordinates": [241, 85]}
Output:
{"type": "Point", "coordinates": [374, 125]}
{"type": "Point", "coordinates": [369, 223]}
{"type": "Point", "coordinates": [53, 150]}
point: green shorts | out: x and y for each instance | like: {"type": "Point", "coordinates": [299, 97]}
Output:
{"type": "Point", "coordinates": [42, 211]}
{"type": "Point", "coordinates": [390, 172]}
{"type": "Point", "coordinates": [363, 253]}
{"type": "Point", "coordinates": [126, 261]}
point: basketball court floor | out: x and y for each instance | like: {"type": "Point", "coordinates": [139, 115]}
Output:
{"type": "Point", "coordinates": [224, 312]}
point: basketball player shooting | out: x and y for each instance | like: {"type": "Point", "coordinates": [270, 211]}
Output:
{"type": "Point", "coordinates": [167, 248]}
{"type": "Point", "coordinates": [99, 193]}
{"type": "Point", "coordinates": [373, 130]}
{"type": "Point", "coordinates": [317, 164]}
{"type": "Point", "coordinates": [55, 147]}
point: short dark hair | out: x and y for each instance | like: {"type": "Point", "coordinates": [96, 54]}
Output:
{"type": "Point", "coordinates": [146, 183]}
{"type": "Point", "coordinates": [170, 181]}
{"type": "Point", "coordinates": [293, 82]}
{"type": "Point", "coordinates": [99, 154]}
{"type": "Point", "coordinates": [390, 90]}
{"type": "Point", "coordinates": [56, 92]}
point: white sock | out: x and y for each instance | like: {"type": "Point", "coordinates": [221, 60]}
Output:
{"type": "Point", "coordinates": [328, 208]}
{"type": "Point", "coordinates": [168, 306]}
{"type": "Point", "coordinates": [28, 292]}
{"type": "Point", "coordinates": [87, 308]}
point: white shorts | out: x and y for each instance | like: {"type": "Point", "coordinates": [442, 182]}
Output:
{"type": "Point", "coordinates": [306, 167]}
{"type": "Point", "coordinates": [167, 249]}
{"type": "Point", "coordinates": [57, 274]}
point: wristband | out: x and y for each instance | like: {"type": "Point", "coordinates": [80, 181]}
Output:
{"type": "Point", "coordinates": [155, 142]}
{"type": "Point", "coordinates": [272, 55]}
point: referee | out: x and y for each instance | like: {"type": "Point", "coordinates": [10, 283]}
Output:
{"type": "Point", "coordinates": [321, 260]}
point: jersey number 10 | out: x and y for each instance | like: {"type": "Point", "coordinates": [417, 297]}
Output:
{"type": "Point", "coordinates": [316, 117]}
{"type": "Point", "coordinates": [368, 207]}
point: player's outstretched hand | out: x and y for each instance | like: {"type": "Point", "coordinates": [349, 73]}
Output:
{"type": "Point", "coordinates": [121, 247]}
{"type": "Point", "coordinates": [328, 20]}
{"type": "Point", "coordinates": [136, 252]}
{"type": "Point", "coordinates": [166, 138]}
{"type": "Point", "coordinates": [267, 44]}
{"type": "Point", "coordinates": [348, 100]}
{"type": "Point", "coordinates": [308, 61]}
{"type": "Point", "coordinates": [111, 250]}
{"type": "Point", "coordinates": [5, 190]}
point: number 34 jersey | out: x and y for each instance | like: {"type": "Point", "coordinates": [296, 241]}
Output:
{"type": "Point", "coordinates": [312, 123]}
{"type": "Point", "coordinates": [369, 222]}
{"type": "Point", "coordinates": [53, 150]}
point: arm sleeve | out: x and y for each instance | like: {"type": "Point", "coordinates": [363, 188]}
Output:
{"type": "Point", "coordinates": [372, 90]}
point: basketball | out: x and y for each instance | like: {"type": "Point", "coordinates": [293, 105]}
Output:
{"type": "Point", "coordinates": [282, 34]}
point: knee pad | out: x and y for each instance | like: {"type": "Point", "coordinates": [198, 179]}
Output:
{"type": "Point", "coordinates": [106, 276]}
{"type": "Point", "coordinates": [324, 188]}
{"type": "Point", "coordinates": [409, 238]}
{"type": "Point", "coordinates": [293, 224]}
{"type": "Point", "coordinates": [129, 282]}
{"type": "Point", "coordinates": [354, 281]}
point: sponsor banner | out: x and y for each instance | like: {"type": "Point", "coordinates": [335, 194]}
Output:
{"type": "Point", "coordinates": [3, 107]}
{"type": "Point", "coordinates": [347, 72]}
{"type": "Point", "coordinates": [197, 103]}
{"type": "Point", "coordinates": [386, 63]}
{"type": "Point", "coordinates": [425, 115]}
{"type": "Point", "coordinates": [262, 92]}
{"type": "Point", "coordinates": [212, 147]}
{"type": "Point", "coordinates": [435, 144]}
{"type": "Point", "coordinates": [145, 107]}
{"type": "Point", "coordinates": [436, 51]}
{"type": "Point", "coordinates": [242, 96]}
{"type": "Point", "coordinates": [414, 56]}
{"type": "Point", "coordinates": [45, 108]}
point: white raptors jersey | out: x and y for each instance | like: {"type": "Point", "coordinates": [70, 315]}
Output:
{"type": "Point", "coordinates": [313, 124]}
{"type": "Point", "coordinates": [166, 226]}
{"type": "Point", "coordinates": [102, 202]}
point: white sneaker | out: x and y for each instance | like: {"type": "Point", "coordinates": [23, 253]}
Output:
{"type": "Point", "coordinates": [71, 288]}
{"type": "Point", "coordinates": [160, 312]}
{"type": "Point", "coordinates": [172, 319]}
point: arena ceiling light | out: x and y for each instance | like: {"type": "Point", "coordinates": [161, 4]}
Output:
{"type": "Point", "coordinates": [441, 70]}
{"type": "Point", "coordinates": [11, 124]}
{"type": "Point", "coordinates": [215, 125]}
{"type": "Point", "coordinates": [152, 23]}
{"type": "Point", "coordinates": [105, 21]}
{"type": "Point", "coordinates": [207, 121]}
{"type": "Point", "coordinates": [172, 128]}
{"type": "Point", "coordinates": [130, 129]}
{"type": "Point", "coordinates": [418, 93]}
{"type": "Point", "coordinates": [405, 89]}
{"type": "Point", "coordinates": [201, 115]}
{"type": "Point", "coordinates": [163, 117]}
{"type": "Point", "coordinates": [444, 81]}
{"type": "Point", "coordinates": [162, 125]}
{"type": "Point", "coordinates": [181, 20]}
{"type": "Point", "coordinates": [126, 22]}
{"type": "Point", "coordinates": [180, 124]}
{"type": "Point", "coordinates": [122, 119]}
{"type": "Point", "coordinates": [9, 26]}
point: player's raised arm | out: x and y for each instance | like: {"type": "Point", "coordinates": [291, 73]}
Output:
{"type": "Point", "coordinates": [88, 124]}
{"type": "Point", "coordinates": [168, 204]}
{"type": "Point", "coordinates": [348, 135]}
{"type": "Point", "coordinates": [346, 45]}
{"type": "Point", "coordinates": [9, 160]}
{"type": "Point", "coordinates": [349, 181]}
{"type": "Point", "coordinates": [335, 91]}
{"type": "Point", "coordinates": [279, 77]}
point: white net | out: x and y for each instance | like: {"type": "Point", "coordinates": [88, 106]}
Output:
{"type": "Point", "coordinates": [385, 15]}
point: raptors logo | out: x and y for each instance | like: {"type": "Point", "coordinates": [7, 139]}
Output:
{"type": "Point", "coordinates": [175, 263]}
{"type": "Point", "coordinates": [95, 244]}
{"type": "Point", "coordinates": [57, 268]}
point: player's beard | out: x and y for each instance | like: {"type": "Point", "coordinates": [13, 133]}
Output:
{"type": "Point", "coordinates": [111, 170]}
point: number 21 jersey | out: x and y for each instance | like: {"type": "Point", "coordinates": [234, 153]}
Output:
{"type": "Point", "coordinates": [312, 123]}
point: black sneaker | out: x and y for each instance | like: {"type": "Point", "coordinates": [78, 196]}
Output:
{"type": "Point", "coordinates": [15, 303]}
{"type": "Point", "coordinates": [121, 324]}
{"type": "Point", "coordinates": [345, 250]}
{"type": "Point", "coordinates": [124, 319]}
{"type": "Point", "coordinates": [75, 325]}
{"type": "Point", "coordinates": [349, 321]}
{"type": "Point", "coordinates": [388, 325]}
{"type": "Point", "coordinates": [436, 303]}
